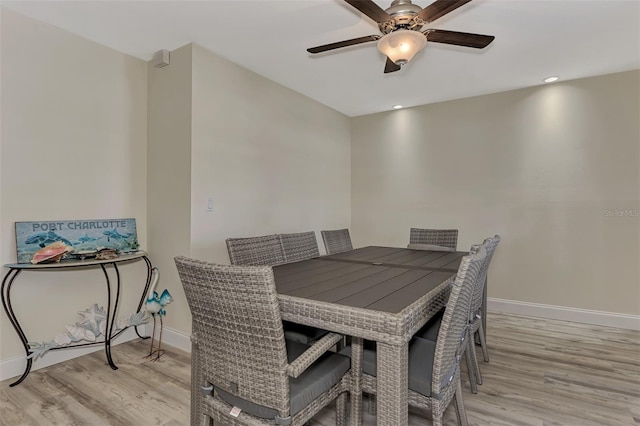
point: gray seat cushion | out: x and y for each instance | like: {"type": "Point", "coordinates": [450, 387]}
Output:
{"type": "Point", "coordinates": [421, 354]}
{"type": "Point", "coordinates": [430, 330]}
{"type": "Point", "coordinates": [302, 333]}
{"type": "Point", "coordinates": [316, 379]}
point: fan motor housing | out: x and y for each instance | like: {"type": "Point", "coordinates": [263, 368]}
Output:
{"type": "Point", "coordinates": [403, 12]}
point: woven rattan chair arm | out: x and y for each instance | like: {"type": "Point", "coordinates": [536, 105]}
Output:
{"type": "Point", "coordinates": [314, 352]}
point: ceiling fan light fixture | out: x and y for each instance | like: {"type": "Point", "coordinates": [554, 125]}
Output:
{"type": "Point", "coordinates": [402, 45]}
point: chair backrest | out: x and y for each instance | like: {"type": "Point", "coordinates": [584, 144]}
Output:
{"type": "Point", "coordinates": [454, 326]}
{"type": "Point", "coordinates": [489, 245]}
{"type": "Point", "coordinates": [439, 237]}
{"type": "Point", "coordinates": [299, 246]}
{"type": "Point", "coordinates": [238, 328]}
{"type": "Point", "coordinates": [336, 241]}
{"type": "Point", "coordinates": [255, 251]}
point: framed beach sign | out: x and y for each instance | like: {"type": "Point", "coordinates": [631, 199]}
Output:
{"type": "Point", "coordinates": [83, 236]}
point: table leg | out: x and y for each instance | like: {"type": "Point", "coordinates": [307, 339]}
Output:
{"type": "Point", "coordinates": [110, 317]}
{"type": "Point", "coordinates": [356, 376]}
{"type": "Point", "coordinates": [7, 282]}
{"type": "Point", "coordinates": [144, 292]}
{"type": "Point", "coordinates": [393, 383]}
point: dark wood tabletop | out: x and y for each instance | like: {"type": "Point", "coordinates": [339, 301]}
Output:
{"type": "Point", "coordinates": [383, 294]}
{"type": "Point", "coordinates": [384, 279]}
{"type": "Point", "coordinates": [383, 288]}
{"type": "Point", "coordinates": [394, 256]}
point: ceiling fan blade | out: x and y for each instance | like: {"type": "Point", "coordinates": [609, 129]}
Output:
{"type": "Point", "coordinates": [371, 9]}
{"type": "Point", "coordinates": [440, 8]}
{"type": "Point", "coordinates": [477, 41]}
{"type": "Point", "coordinates": [391, 66]}
{"type": "Point", "coordinates": [344, 43]}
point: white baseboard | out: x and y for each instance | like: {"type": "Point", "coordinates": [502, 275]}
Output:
{"type": "Point", "coordinates": [563, 313]}
{"type": "Point", "coordinates": [174, 338]}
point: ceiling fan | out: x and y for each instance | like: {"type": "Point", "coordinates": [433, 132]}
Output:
{"type": "Point", "coordinates": [401, 25]}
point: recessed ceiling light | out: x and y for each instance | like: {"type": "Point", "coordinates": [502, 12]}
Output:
{"type": "Point", "coordinates": [551, 79]}
{"type": "Point", "coordinates": [397, 107]}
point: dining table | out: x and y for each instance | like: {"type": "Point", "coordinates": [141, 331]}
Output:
{"type": "Point", "coordinates": [381, 294]}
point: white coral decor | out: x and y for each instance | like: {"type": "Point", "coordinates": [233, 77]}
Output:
{"type": "Point", "coordinates": [92, 326]}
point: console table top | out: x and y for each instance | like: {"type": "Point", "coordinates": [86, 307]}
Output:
{"type": "Point", "coordinates": [67, 263]}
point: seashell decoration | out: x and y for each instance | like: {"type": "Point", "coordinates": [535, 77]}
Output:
{"type": "Point", "coordinates": [54, 252]}
{"type": "Point", "coordinates": [78, 333]}
{"type": "Point", "coordinates": [62, 339]}
{"type": "Point", "coordinates": [106, 254]}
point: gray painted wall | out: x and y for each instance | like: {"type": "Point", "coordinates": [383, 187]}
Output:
{"type": "Point", "coordinates": [548, 168]}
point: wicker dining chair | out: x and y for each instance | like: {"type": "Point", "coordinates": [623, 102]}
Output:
{"type": "Point", "coordinates": [434, 366]}
{"type": "Point", "coordinates": [336, 241]}
{"type": "Point", "coordinates": [431, 329]}
{"type": "Point", "coordinates": [255, 251]}
{"type": "Point", "coordinates": [296, 247]}
{"type": "Point", "coordinates": [476, 312]}
{"type": "Point", "coordinates": [299, 246]}
{"type": "Point", "coordinates": [268, 250]}
{"type": "Point", "coordinates": [244, 372]}
{"type": "Point", "coordinates": [442, 239]}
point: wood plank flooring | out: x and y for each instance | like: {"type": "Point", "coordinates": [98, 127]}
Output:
{"type": "Point", "coordinates": [542, 372]}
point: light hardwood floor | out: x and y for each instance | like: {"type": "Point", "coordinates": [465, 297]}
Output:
{"type": "Point", "coordinates": [541, 372]}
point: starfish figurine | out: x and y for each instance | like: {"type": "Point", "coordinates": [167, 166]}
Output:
{"type": "Point", "coordinates": [92, 317]}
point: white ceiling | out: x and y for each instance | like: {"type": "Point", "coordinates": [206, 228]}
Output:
{"type": "Point", "coordinates": [534, 39]}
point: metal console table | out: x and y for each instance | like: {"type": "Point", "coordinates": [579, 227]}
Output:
{"type": "Point", "coordinates": [16, 268]}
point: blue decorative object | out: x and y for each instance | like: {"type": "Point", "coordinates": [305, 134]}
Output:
{"type": "Point", "coordinates": [155, 306]}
